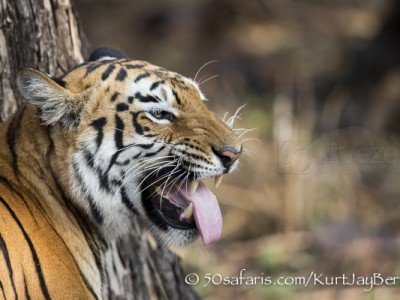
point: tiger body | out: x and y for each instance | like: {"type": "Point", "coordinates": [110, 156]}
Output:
{"type": "Point", "coordinates": [46, 246]}
{"type": "Point", "coordinates": [91, 150]}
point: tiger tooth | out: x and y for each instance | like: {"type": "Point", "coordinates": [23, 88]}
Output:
{"type": "Point", "coordinates": [193, 186]}
{"type": "Point", "coordinates": [188, 212]}
{"type": "Point", "coordinates": [158, 191]}
{"type": "Point", "coordinates": [218, 180]}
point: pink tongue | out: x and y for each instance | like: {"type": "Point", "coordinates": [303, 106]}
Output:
{"type": "Point", "coordinates": [207, 213]}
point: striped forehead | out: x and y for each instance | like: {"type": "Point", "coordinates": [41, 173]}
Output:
{"type": "Point", "coordinates": [137, 80]}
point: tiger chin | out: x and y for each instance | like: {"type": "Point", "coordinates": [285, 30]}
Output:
{"type": "Point", "coordinates": [111, 140]}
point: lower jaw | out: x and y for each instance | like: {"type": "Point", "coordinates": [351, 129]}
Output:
{"type": "Point", "coordinates": [167, 234]}
{"type": "Point", "coordinates": [160, 219]}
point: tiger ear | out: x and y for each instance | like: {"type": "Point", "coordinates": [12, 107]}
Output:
{"type": "Point", "coordinates": [54, 102]}
{"type": "Point", "coordinates": [105, 53]}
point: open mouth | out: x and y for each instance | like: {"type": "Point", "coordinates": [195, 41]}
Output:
{"type": "Point", "coordinates": [183, 205]}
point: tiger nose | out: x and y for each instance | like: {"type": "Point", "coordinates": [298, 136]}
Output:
{"type": "Point", "coordinates": [228, 155]}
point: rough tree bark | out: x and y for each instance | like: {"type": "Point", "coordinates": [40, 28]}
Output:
{"type": "Point", "coordinates": [46, 34]}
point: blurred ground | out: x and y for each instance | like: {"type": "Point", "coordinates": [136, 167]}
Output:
{"type": "Point", "coordinates": [318, 191]}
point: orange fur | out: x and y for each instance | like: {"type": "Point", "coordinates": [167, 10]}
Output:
{"type": "Point", "coordinates": [50, 243]}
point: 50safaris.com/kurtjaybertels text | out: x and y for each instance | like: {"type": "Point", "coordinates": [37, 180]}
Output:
{"type": "Point", "coordinates": [245, 277]}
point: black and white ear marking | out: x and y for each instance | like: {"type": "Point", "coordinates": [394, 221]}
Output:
{"type": "Point", "coordinates": [105, 53]}
{"type": "Point", "coordinates": [54, 102]}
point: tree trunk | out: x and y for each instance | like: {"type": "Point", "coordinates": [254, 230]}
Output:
{"type": "Point", "coordinates": [46, 34]}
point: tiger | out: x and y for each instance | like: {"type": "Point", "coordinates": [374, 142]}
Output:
{"type": "Point", "coordinates": [111, 140]}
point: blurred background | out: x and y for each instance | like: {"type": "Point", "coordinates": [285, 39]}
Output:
{"type": "Point", "coordinates": [318, 188]}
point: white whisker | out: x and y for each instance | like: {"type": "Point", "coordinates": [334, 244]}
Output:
{"type": "Point", "coordinates": [245, 132]}
{"type": "Point", "coordinates": [251, 139]}
{"type": "Point", "coordinates": [209, 78]}
{"type": "Point", "coordinates": [202, 67]}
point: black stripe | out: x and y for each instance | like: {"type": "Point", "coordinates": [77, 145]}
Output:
{"type": "Point", "coordinates": [115, 182]}
{"type": "Point", "coordinates": [103, 179]}
{"type": "Point", "coordinates": [108, 285]}
{"type": "Point", "coordinates": [112, 162]}
{"type": "Point", "coordinates": [99, 124]}
{"type": "Point", "coordinates": [9, 185]}
{"type": "Point", "coordinates": [141, 76]}
{"type": "Point", "coordinates": [120, 255]}
{"type": "Point", "coordinates": [60, 82]}
{"type": "Point", "coordinates": [92, 67]}
{"type": "Point", "coordinates": [127, 202]}
{"type": "Point", "coordinates": [84, 279]}
{"type": "Point", "coordinates": [138, 128]}
{"type": "Point", "coordinates": [145, 146]}
{"type": "Point", "coordinates": [3, 248]}
{"type": "Point", "coordinates": [95, 210]}
{"type": "Point", "coordinates": [156, 84]}
{"type": "Point", "coordinates": [12, 135]}
{"type": "Point", "coordinates": [35, 257]}
{"type": "Point", "coordinates": [119, 130]}
{"type": "Point", "coordinates": [178, 100]}
{"type": "Point", "coordinates": [11, 188]}
{"type": "Point", "coordinates": [89, 158]}
{"type": "Point", "coordinates": [83, 225]}
{"type": "Point", "coordinates": [2, 290]}
{"type": "Point", "coordinates": [154, 153]}
{"type": "Point", "coordinates": [114, 96]}
{"type": "Point", "coordinates": [123, 163]}
{"type": "Point", "coordinates": [145, 99]}
{"type": "Point", "coordinates": [130, 67]}
{"type": "Point", "coordinates": [121, 74]}
{"type": "Point", "coordinates": [122, 107]}
{"type": "Point", "coordinates": [28, 297]}
{"type": "Point", "coordinates": [107, 72]}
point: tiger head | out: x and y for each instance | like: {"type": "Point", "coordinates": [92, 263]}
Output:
{"type": "Point", "coordinates": [132, 139]}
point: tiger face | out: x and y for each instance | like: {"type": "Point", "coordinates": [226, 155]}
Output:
{"type": "Point", "coordinates": [133, 139]}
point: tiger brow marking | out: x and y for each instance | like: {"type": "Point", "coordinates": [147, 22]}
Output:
{"type": "Point", "coordinates": [146, 98]}
{"type": "Point", "coordinates": [156, 84]}
{"type": "Point", "coordinates": [92, 68]}
{"type": "Point", "coordinates": [107, 72]}
{"type": "Point", "coordinates": [121, 74]}
{"type": "Point", "coordinates": [142, 76]}
{"type": "Point", "coordinates": [131, 67]}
